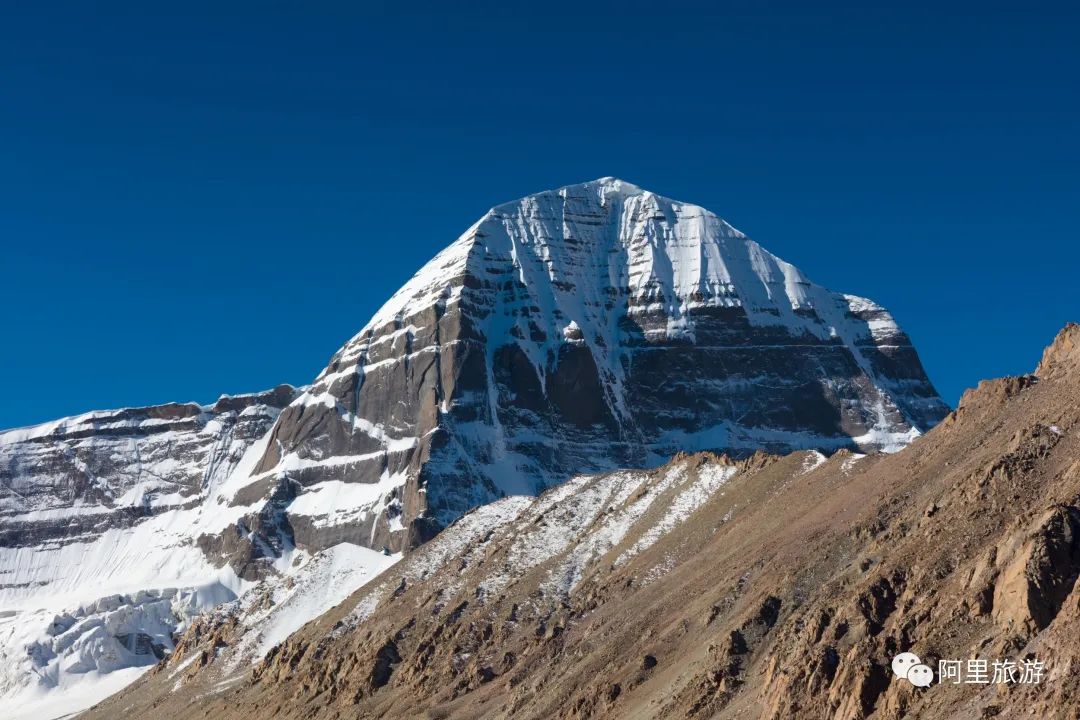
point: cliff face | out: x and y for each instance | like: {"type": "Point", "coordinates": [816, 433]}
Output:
{"type": "Point", "coordinates": [771, 587]}
{"type": "Point", "coordinates": [583, 329]}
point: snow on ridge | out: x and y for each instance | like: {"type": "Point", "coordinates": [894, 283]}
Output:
{"type": "Point", "coordinates": [813, 460]}
{"type": "Point", "coordinates": [428, 285]}
{"type": "Point", "coordinates": [474, 529]}
{"type": "Point", "coordinates": [564, 532]}
{"type": "Point", "coordinates": [617, 522]}
{"type": "Point", "coordinates": [849, 463]}
{"type": "Point", "coordinates": [276, 609]}
{"type": "Point", "coordinates": [92, 420]}
{"type": "Point", "coordinates": [693, 495]}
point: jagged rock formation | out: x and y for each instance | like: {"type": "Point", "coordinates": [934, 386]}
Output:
{"type": "Point", "coordinates": [582, 329]}
{"type": "Point", "coordinates": [771, 587]}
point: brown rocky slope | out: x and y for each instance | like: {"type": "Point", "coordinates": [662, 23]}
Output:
{"type": "Point", "coordinates": [774, 587]}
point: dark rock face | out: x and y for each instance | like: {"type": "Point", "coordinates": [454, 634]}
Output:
{"type": "Point", "coordinates": [582, 329]}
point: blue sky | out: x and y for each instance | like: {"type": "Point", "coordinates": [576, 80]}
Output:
{"type": "Point", "coordinates": [198, 200]}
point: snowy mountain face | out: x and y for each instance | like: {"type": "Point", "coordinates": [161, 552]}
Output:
{"type": "Point", "coordinates": [98, 519]}
{"type": "Point", "coordinates": [90, 480]}
{"type": "Point", "coordinates": [583, 329]}
{"type": "Point", "coordinates": [110, 527]}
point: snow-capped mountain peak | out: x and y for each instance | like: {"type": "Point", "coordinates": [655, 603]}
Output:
{"type": "Point", "coordinates": [588, 327]}
{"type": "Point", "coordinates": [585, 329]}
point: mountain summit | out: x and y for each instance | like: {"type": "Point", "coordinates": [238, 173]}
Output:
{"type": "Point", "coordinates": [594, 326]}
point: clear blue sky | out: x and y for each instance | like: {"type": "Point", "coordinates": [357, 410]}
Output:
{"type": "Point", "coordinates": [197, 200]}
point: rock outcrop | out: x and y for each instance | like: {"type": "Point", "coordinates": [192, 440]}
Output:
{"type": "Point", "coordinates": [1062, 357]}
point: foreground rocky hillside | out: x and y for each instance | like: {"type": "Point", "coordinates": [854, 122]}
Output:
{"type": "Point", "coordinates": [771, 587]}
